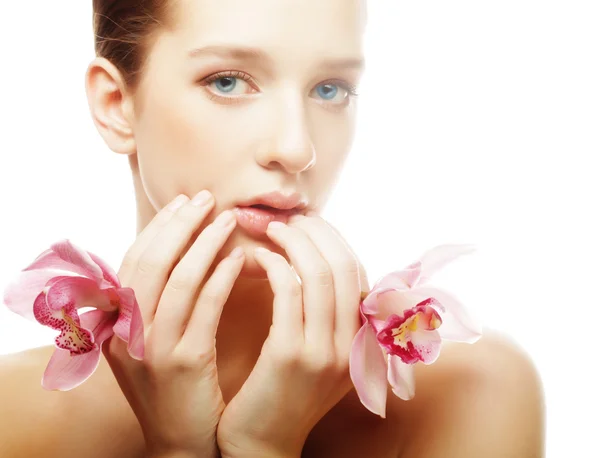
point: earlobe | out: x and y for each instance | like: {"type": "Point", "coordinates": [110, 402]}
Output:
{"type": "Point", "coordinates": [111, 105]}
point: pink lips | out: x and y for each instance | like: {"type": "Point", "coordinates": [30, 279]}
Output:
{"type": "Point", "coordinates": [254, 215]}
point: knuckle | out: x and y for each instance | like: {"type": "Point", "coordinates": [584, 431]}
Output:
{"type": "Point", "coordinates": [349, 266]}
{"type": "Point", "coordinates": [154, 355]}
{"type": "Point", "coordinates": [323, 275]}
{"type": "Point", "coordinates": [149, 263]}
{"type": "Point", "coordinates": [128, 262]}
{"type": "Point", "coordinates": [155, 362]}
{"type": "Point", "coordinates": [344, 357]}
{"type": "Point", "coordinates": [212, 297]}
{"type": "Point", "coordinates": [287, 357]}
{"type": "Point", "coordinates": [186, 358]}
{"type": "Point", "coordinates": [286, 354]}
{"type": "Point", "coordinates": [322, 362]}
{"type": "Point", "coordinates": [290, 287]}
{"type": "Point", "coordinates": [181, 281]}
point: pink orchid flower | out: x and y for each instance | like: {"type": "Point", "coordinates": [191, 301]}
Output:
{"type": "Point", "coordinates": [404, 322]}
{"type": "Point", "coordinates": [50, 291]}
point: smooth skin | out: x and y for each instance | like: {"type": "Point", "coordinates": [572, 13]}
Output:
{"type": "Point", "coordinates": [305, 357]}
{"type": "Point", "coordinates": [468, 404]}
{"type": "Point", "coordinates": [174, 391]}
{"type": "Point", "coordinates": [283, 317]}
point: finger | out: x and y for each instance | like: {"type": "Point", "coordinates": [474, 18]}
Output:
{"type": "Point", "coordinates": [156, 262]}
{"type": "Point", "coordinates": [179, 295]}
{"type": "Point", "coordinates": [362, 273]}
{"type": "Point", "coordinates": [129, 263]}
{"type": "Point", "coordinates": [345, 270]}
{"type": "Point", "coordinates": [200, 332]}
{"type": "Point", "coordinates": [317, 281]}
{"type": "Point", "coordinates": [287, 301]}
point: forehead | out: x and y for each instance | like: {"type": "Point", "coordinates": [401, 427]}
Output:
{"type": "Point", "coordinates": [294, 28]}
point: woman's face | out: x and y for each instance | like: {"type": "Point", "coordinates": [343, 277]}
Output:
{"type": "Point", "coordinates": [246, 98]}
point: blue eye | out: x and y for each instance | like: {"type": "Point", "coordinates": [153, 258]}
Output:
{"type": "Point", "coordinates": [236, 83]}
{"type": "Point", "coordinates": [230, 84]}
{"type": "Point", "coordinates": [327, 91]}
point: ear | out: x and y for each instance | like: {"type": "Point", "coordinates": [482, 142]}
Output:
{"type": "Point", "coordinates": [111, 105]}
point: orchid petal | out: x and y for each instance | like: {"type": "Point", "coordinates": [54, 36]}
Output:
{"type": "Point", "coordinates": [438, 257]}
{"type": "Point", "coordinates": [65, 372]}
{"type": "Point", "coordinates": [403, 279]}
{"type": "Point", "coordinates": [390, 302]}
{"type": "Point", "coordinates": [51, 261]}
{"type": "Point", "coordinates": [66, 256]}
{"type": "Point", "coordinates": [369, 304]}
{"type": "Point", "coordinates": [78, 292]}
{"type": "Point", "coordinates": [130, 326]}
{"type": "Point", "coordinates": [401, 378]}
{"type": "Point", "coordinates": [107, 271]}
{"type": "Point", "coordinates": [20, 295]}
{"type": "Point", "coordinates": [368, 370]}
{"type": "Point", "coordinates": [457, 324]}
{"type": "Point", "coordinates": [43, 254]}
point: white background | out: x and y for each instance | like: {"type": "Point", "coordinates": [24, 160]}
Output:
{"type": "Point", "coordinates": [479, 123]}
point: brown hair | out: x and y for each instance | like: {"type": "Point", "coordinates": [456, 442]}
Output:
{"type": "Point", "coordinates": [124, 31]}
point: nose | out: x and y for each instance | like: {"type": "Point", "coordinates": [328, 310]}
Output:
{"type": "Point", "coordinates": [289, 144]}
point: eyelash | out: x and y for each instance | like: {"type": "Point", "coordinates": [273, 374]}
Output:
{"type": "Point", "coordinates": [351, 89]}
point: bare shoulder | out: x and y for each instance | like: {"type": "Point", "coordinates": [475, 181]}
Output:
{"type": "Point", "coordinates": [477, 400]}
{"type": "Point", "coordinates": [95, 416]}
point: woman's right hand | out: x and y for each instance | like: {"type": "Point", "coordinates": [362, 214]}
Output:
{"type": "Point", "coordinates": [174, 390]}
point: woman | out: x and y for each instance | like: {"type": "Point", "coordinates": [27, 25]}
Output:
{"type": "Point", "coordinates": [235, 114]}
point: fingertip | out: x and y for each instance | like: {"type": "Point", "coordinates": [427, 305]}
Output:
{"type": "Point", "coordinates": [237, 253]}
{"type": "Point", "coordinates": [296, 218]}
{"type": "Point", "coordinates": [176, 203]}
{"type": "Point", "coordinates": [261, 255]}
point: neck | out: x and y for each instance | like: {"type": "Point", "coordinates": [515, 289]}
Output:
{"type": "Point", "coordinates": [246, 317]}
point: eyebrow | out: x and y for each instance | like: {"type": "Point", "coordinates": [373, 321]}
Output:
{"type": "Point", "coordinates": [258, 55]}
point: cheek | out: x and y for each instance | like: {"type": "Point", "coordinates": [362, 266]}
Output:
{"type": "Point", "coordinates": [333, 141]}
{"type": "Point", "coordinates": [179, 151]}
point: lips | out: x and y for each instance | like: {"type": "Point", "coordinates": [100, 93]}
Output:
{"type": "Point", "coordinates": [276, 211]}
{"type": "Point", "coordinates": [254, 215]}
{"type": "Point", "coordinates": [278, 201]}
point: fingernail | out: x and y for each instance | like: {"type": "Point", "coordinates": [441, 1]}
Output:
{"type": "Point", "coordinates": [275, 225]}
{"type": "Point", "coordinates": [225, 218]}
{"type": "Point", "coordinates": [261, 250]}
{"type": "Point", "coordinates": [236, 253]}
{"type": "Point", "coordinates": [177, 202]}
{"type": "Point", "coordinates": [203, 197]}
{"type": "Point", "coordinates": [293, 218]}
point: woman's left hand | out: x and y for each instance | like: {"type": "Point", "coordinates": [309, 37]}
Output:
{"type": "Point", "coordinates": [302, 371]}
